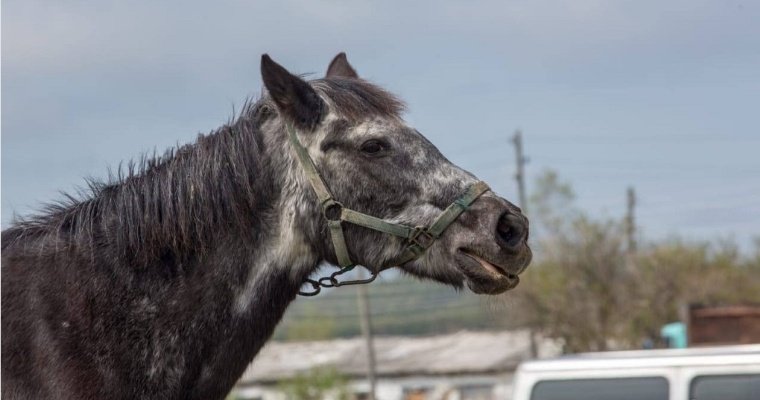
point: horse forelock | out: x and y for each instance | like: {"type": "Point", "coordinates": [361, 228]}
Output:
{"type": "Point", "coordinates": [358, 100]}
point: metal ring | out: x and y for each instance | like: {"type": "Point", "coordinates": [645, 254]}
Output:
{"type": "Point", "coordinates": [314, 285]}
{"type": "Point", "coordinates": [331, 281]}
{"type": "Point", "coordinates": [332, 210]}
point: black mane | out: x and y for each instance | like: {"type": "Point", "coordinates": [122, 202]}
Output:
{"type": "Point", "coordinates": [179, 195]}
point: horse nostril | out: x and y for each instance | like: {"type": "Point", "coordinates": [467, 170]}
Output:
{"type": "Point", "coordinates": [510, 230]}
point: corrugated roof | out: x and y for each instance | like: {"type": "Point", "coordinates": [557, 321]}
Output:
{"type": "Point", "coordinates": [727, 311]}
{"type": "Point", "coordinates": [463, 352]}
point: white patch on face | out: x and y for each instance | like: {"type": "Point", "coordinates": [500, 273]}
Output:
{"type": "Point", "coordinates": [313, 140]}
{"type": "Point", "coordinates": [449, 175]}
{"type": "Point", "coordinates": [420, 215]}
{"type": "Point", "coordinates": [423, 214]}
{"type": "Point", "coordinates": [375, 127]}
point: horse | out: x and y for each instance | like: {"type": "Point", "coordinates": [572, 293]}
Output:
{"type": "Point", "coordinates": [165, 280]}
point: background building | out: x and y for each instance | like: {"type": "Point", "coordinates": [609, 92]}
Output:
{"type": "Point", "coordinates": [460, 366]}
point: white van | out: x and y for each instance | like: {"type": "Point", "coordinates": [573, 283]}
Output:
{"type": "Point", "coordinates": [709, 373]}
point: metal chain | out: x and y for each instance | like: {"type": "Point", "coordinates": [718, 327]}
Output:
{"type": "Point", "coordinates": [332, 281]}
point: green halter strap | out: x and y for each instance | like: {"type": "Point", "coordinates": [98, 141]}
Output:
{"type": "Point", "coordinates": [418, 238]}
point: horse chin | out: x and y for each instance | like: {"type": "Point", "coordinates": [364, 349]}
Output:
{"type": "Point", "coordinates": [463, 269]}
{"type": "Point", "coordinates": [493, 287]}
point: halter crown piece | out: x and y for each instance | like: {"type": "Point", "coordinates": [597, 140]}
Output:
{"type": "Point", "coordinates": [418, 239]}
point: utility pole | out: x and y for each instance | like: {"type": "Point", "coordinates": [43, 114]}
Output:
{"type": "Point", "coordinates": [365, 321]}
{"type": "Point", "coordinates": [630, 222]}
{"type": "Point", "coordinates": [520, 174]}
{"type": "Point", "coordinates": [520, 178]}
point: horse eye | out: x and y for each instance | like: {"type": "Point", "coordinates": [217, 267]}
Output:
{"type": "Point", "coordinates": [373, 147]}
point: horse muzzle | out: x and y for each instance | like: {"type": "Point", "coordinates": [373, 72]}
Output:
{"type": "Point", "coordinates": [491, 245]}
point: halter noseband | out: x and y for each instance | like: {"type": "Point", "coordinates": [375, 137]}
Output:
{"type": "Point", "coordinates": [418, 239]}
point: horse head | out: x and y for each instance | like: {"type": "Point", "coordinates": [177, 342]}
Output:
{"type": "Point", "coordinates": [371, 161]}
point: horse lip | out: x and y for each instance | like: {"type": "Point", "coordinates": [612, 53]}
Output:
{"type": "Point", "coordinates": [489, 266]}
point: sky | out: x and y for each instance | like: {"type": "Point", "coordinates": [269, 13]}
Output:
{"type": "Point", "coordinates": [663, 96]}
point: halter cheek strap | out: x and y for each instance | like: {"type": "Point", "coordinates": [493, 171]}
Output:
{"type": "Point", "coordinates": [418, 239]}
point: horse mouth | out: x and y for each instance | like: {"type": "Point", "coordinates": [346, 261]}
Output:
{"type": "Point", "coordinates": [486, 277]}
{"type": "Point", "coordinates": [490, 267]}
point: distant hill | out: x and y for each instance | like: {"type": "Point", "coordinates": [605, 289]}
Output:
{"type": "Point", "coordinates": [399, 305]}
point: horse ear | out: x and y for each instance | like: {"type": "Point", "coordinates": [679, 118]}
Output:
{"type": "Point", "coordinates": [295, 98]}
{"type": "Point", "coordinates": [339, 67]}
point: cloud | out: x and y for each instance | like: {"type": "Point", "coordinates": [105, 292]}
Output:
{"type": "Point", "coordinates": [87, 84]}
{"type": "Point", "coordinates": [75, 35]}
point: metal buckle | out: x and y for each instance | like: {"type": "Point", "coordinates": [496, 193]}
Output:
{"type": "Point", "coordinates": [421, 237]}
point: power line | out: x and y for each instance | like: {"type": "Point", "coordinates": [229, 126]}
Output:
{"type": "Point", "coordinates": [400, 295]}
{"type": "Point", "coordinates": [399, 311]}
{"type": "Point", "coordinates": [396, 294]}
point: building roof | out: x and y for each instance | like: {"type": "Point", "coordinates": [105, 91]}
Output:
{"type": "Point", "coordinates": [458, 353]}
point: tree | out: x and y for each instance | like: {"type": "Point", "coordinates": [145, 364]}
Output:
{"type": "Point", "coordinates": [581, 290]}
{"type": "Point", "coordinates": [673, 274]}
{"type": "Point", "coordinates": [576, 290]}
{"type": "Point", "coordinates": [317, 384]}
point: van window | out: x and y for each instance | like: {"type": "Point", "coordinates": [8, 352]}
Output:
{"type": "Point", "coordinates": [651, 388]}
{"type": "Point", "coordinates": [720, 387]}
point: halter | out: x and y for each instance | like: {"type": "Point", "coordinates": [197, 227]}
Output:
{"type": "Point", "coordinates": [418, 239]}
